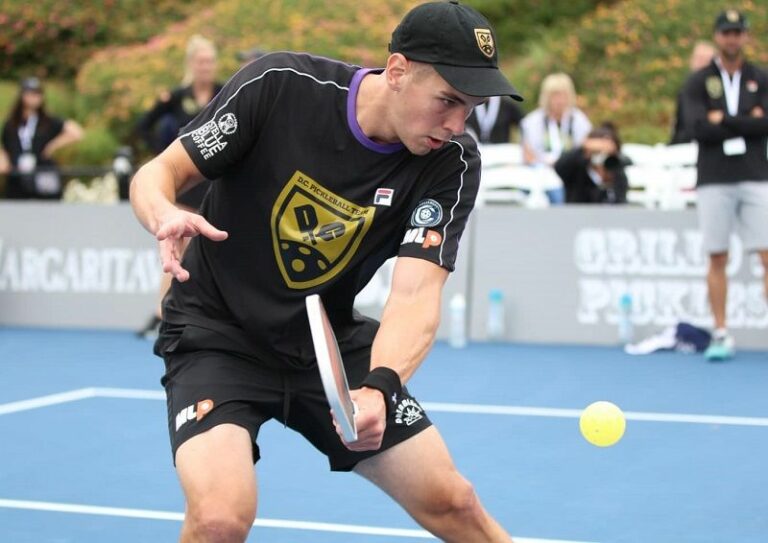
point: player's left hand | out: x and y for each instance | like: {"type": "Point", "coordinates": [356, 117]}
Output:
{"type": "Point", "coordinates": [175, 228]}
{"type": "Point", "coordinates": [371, 420]}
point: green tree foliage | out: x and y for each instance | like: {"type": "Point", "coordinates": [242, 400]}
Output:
{"type": "Point", "coordinates": [630, 59]}
{"type": "Point", "coordinates": [52, 38]}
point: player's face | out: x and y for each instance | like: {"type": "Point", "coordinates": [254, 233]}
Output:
{"type": "Point", "coordinates": [730, 43]}
{"type": "Point", "coordinates": [430, 112]}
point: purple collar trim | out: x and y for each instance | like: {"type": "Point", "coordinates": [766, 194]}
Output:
{"type": "Point", "coordinates": [354, 87]}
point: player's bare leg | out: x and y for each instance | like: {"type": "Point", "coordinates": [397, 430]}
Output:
{"type": "Point", "coordinates": [420, 475]}
{"type": "Point", "coordinates": [217, 476]}
{"type": "Point", "coordinates": [717, 285]}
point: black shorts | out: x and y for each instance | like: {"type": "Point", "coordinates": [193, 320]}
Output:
{"type": "Point", "coordinates": [208, 388]}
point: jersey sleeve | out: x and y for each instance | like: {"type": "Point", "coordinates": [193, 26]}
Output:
{"type": "Point", "coordinates": [438, 218]}
{"type": "Point", "coordinates": [227, 128]}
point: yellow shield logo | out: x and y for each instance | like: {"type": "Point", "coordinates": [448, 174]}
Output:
{"type": "Point", "coordinates": [315, 233]}
{"type": "Point", "coordinates": [485, 41]}
{"type": "Point", "coordinates": [714, 86]}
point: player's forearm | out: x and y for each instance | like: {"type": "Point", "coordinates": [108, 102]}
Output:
{"type": "Point", "coordinates": [748, 126]}
{"type": "Point", "coordinates": [408, 327]}
{"type": "Point", "coordinates": [152, 193]}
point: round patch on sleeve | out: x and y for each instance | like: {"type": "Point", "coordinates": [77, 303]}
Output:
{"type": "Point", "coordinates": [427, 213]}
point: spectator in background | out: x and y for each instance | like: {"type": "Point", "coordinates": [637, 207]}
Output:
{"type": "Point", "coordinates": [593, 173]}
{"type": "Point", "coordinates": [725, 105]}
{"type": "Point", "coordinates": [494, 121]}
{"type": "Point", "coordinates": [557, 125]}
{"type": "Point", "coordinates": [159, 126]}
{"type": "Point", "coordinates": [30, 137]}
{"type": "Point", "coordinates": [702, 54]}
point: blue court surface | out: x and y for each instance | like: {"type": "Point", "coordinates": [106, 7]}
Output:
{"type": "Point", "coordinates": [84, 453]}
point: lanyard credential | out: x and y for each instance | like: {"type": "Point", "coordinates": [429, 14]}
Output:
{"type": "Point", "coordinates": [731, 89]}
{"type": "Point", "coordinates": [487, 115]}
{"type": "Point", "coordinates": [27, 132]}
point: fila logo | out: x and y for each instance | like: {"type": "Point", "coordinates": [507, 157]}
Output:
{"type": "Point", "coordinates": [193, 412]}
{"type": "Point", "coordinates": [383, 197]}
{"type": "Point", "coordinates": [427, 238]}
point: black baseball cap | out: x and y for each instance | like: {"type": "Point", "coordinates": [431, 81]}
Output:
{"type": "Point", "coordinates": [730, 19]}
{"type": "Point", "coordinates": [459, 42]}
{"type": "Point", "coordinates": [31, 84]}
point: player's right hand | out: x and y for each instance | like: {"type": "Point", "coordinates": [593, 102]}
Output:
{"type": "Point", "coordinates": [371, 420]}
{"type": "Point", "coordinates": [175, 229]}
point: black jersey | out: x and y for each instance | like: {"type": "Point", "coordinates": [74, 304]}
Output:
{"type": "Point", "coordinates": [703, 93]}
{"type": "Point", "coordinates": [311, 206]}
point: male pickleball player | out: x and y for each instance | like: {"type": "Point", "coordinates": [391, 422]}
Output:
{"type": "Point", "coordinates": [324, 170]}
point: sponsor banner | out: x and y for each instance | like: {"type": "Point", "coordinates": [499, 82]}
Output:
{"type": "Point", "coordinates": [74, 265]}
{"type": "Point", "coordinates": [563, 271]}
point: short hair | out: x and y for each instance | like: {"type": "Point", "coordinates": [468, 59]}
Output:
{"type": "Point", "coordinates": [557, 82]}
{"type": "Point", "coordinates": [195, 44]}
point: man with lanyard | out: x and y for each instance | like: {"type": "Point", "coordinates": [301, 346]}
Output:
{"type": "Point", "coordinates": [493, 121]}
{"type": "Point", "coordinates": [725, 105]}
{"type": "Point", "coordinates": [323, 171]}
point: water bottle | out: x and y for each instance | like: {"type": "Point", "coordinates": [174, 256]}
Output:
{"type": "Point", "coordinates": [495, 327]}
{"type": "Point", "coordinates": [625, 319]}
{"type": "Point", "coordinates": [458, 324]}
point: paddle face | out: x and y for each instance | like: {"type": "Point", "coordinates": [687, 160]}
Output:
{"type": "Point", "coordinates": [331, 367]}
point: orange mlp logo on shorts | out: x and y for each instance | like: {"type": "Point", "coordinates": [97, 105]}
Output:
{"type": "Point", "coordinates": [203, 408]}
{"type": "Point", "coordinates": [193, 412]}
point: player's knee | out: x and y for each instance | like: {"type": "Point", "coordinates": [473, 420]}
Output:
{"type": "Point", "coordinates": [718, 261]}
{"type": "Point", "coordinates": [457, 499]}
{"type": "Point", "coordinates": [217, 525]}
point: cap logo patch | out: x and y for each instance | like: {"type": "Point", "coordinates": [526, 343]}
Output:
{"type": "Point", "coordinates": [732, 15]}
{"type": "Point", "coordinates": [485, 41]}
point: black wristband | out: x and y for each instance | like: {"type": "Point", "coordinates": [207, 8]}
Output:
{"type": "Point", "coordinates": [387, 381]}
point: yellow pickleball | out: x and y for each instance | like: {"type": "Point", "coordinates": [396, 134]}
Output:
{"type": "Point", "coordinates": [602, 424]}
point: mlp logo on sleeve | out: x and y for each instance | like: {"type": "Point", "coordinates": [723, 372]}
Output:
{"type": "Point", "coordinates": [315, 232]}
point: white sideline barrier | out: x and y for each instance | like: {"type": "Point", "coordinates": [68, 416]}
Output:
{"type": "Point", "coordinates": [661, 176]}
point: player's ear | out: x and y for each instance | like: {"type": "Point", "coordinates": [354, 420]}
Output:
{"type": "Point", "coordinates": [397, 68]}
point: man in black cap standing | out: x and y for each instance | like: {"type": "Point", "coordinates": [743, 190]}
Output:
{"type": "Point", "coordinates": [324, 171]}
{"type": "Point", "coordinates": [726, 104]}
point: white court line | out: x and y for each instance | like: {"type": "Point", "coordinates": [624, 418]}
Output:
{"type": "Point", "coordinates": [45, 401]}
{"type": "Point", "coordinates": [436, 407]}
{"type": "Point", "coordinates": [522, 411]}
{"type": "Point", "coordinates": [576, 413]}
{"type": "Point", "coordinates": [263, 523]}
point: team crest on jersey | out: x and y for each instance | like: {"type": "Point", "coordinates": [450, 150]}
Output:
{"type": "Point", "coordinates": [315, 233]}
{"type": "Point", "coordinates": [485, 41]}
{"type": "Point", "coordinates": [714, 87]}
{"type": "Point", "coordinates": [427, 213]}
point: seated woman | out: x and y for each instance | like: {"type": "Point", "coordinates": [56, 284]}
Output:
{"type": "Point", "coordinates": [593, 173]}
